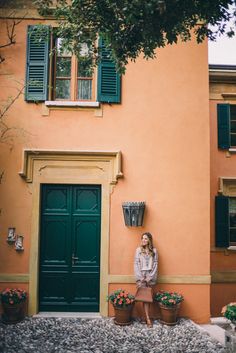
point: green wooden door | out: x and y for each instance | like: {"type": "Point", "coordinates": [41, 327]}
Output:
{"type": "Point", "coordinates": [70, 248]}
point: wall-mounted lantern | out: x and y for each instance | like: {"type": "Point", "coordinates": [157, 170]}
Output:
{"type": "Point", "coordinates": [11, 236]}
{"type": "Point", "coordinates": [133, 213]}
{"type": "Point", "coordinates": [19, 243]}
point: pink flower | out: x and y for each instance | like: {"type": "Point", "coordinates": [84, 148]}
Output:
{"type": "Point", "coordinates": [224, 309]}
{"type": "Point", "coordinates": [172, 301]}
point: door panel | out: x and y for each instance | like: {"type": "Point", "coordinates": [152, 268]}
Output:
{"type": "Point", "coordinates": [70, 248]}
{"type": "Point", "coordinates": [86, 200]}
{"type": "Point", "coordinates": [85, 291]}
{"type": "Point", "coordinates": [55, 230]}
{"type": "Point", "coordinates": [53, 292]}
{"type": "Point", "coordinates": [55, 199]}
{"type": "Point", "coordinates": [86, 249]}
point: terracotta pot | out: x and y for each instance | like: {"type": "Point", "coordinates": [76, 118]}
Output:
{"type": "Point", "coordinates": [13, 313]}
{"type": "Point", "coordinates": [169, 314]}
{"type": "Point", "coordinates": [123, 315]}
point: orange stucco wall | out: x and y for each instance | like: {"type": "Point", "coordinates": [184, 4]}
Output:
{"type": "Point", "coordinates": [221, 294]}
{"type": "Point", "coordinates": [162, 130]}
{"type": "Point", "coordinates": [222, 165]}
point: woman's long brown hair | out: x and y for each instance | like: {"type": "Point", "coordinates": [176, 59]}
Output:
{"type": "Point", "coordinates": [150, 243]}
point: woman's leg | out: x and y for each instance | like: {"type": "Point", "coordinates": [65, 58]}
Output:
{"type": "Point", "coordinates": [146, 307]}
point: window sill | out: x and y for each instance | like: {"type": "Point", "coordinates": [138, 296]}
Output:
{"type": "Point", "coordinates": [232, 248]}
{"type": "Point", "coordinates": [232, 150]}
{"type": "Point", "coordinates": [72, 104]}
{"type": "Point", "coordinates": [223, 250]}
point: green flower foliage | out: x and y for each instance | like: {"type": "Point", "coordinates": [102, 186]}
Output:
{"type": "Point", "coordinates": [134, 27]}
{"type": "Point", "coordinates": [168, 298]}
{"type": "Point", "coordinates": [229, 311]}
{"type": "Point", "coordinates": [121, 298]}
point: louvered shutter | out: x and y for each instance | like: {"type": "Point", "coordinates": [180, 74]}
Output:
{"type": "Point", "coordinates": [222, 221]}
{"type": "Point", "coordinates": [37, 63]}
{"type": "Point", "coordinates": [223, 120]}
{"type": "Point", "coordinates": [109, 81]}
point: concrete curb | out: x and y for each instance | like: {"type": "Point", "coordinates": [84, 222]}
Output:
{"type": "Point", "coordinates": [213, 330]}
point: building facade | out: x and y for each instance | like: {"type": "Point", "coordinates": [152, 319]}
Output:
{"type": "Point", "coordinates": [223, 185]}
{"type": "Point", "coordinates": [85, 143]}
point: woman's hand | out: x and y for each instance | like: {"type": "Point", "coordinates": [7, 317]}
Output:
{"type": "Point", "coordinates": [139, 284]}
{"type": "Point", "coordinates": [143, 281]}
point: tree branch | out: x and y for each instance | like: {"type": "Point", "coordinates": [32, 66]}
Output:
{"type": "Point", "coordinates": [11, 35]}
{"type": "Point", "coordinates": [7, 132]}
{"type": "Point", "coordinates": [8, 106]}
{"type": "Point", "coordinates": [7, 45]}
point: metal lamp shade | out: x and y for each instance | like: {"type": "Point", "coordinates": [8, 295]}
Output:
{"type": "Point", "coordinates": [133, 213]}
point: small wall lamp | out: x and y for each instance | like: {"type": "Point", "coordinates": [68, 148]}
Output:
{"type": "Point", "coordinates": [19, 243]}
{"type": "Point", "coordinates": [11, 236]}
{"type": "Point", "coordinates": [133, 213]}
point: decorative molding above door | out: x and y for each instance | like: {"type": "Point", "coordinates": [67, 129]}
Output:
{"type": "Point", "coordinates": [54, 159]}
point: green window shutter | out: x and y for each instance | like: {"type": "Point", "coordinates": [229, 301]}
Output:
{"type": "Point", "coordinates": [36, 87]}
{"type": "Point", "coordinates": [109, 81]}
{"type": "Point", "coordinates": [222, 221]}
{"type": "Point", "coordinates": [223, 119]}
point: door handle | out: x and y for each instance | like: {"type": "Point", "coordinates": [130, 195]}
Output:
{"type": "Point", "coordinates": [74, 258]}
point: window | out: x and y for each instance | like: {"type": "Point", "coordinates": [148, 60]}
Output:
{"type": "Point", "coordinates": [232, 220]}
{"type": "Point", "coordinates": [226, 116]}
{"type": "Point", "coordinates": [64, 77]}
{"type": "Point", "coordinates": [73, 79]}
{"type": "Point", "coordinates": [225, 216]}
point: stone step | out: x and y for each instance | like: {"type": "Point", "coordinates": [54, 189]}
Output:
{"type": "Point", "coordinates": [86, 315]}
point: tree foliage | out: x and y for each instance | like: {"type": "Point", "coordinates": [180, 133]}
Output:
{"type": "Point", "coordinates": [134, 27]}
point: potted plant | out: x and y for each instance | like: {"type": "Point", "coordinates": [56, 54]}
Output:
{"type": "Point", "coordinates": [13, 301]}
{"type": "Point", "coordinates": [229, 311]}
{"type": "Point", "coordinates": [169, 304]}
{"type": "Point", "coordinates": [122, 302]}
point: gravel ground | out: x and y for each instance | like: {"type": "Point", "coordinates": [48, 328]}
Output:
{"type": "Point", "coordinates": [63, 335]}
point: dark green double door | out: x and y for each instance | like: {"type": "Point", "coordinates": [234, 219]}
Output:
{"type": "Point", "coordinates": [70, 248]}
